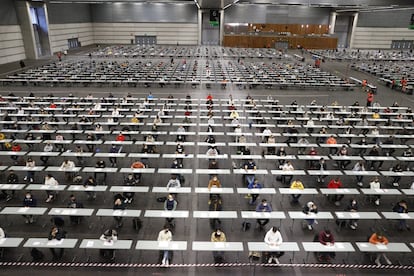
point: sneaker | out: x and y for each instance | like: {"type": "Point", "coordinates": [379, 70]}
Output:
{"type": "Point", "coordinates": [31, 220]}
{"type": "Point", "coordinates": [126, 200]}
{"type": "Point", "coordinates": [130, 200]}
{"type": "Point", "coordinates": [319, 180]}
{"type": "Point", "coordinates": [377, 262]}
{"type": "Point", "coordinates": [277, 261]}
{"type": "Point", "coordinates": [310, 227]}
{"type": "Point", "coordinates": [270, 260]}
{"type": "Point", "coordinates": [27, 221]}
{"type": "Point", "coordinates": [352, 227]}
{"type": "Point", "coordinates": [31, 180]}
{"type": "Point", "coordinates": [360, 184]}
{"type": "Point", "coordinates": [388, 261]}
{"type": "Point", "coordinates": [337, 203]}
{"type": "Point", "coordinates": [8, 198]}
{"type": "Point", "coordinates": [377, 202]}
{"type": "Point", "coordinates": [25, 178]}
{"type": "Point", "coordinates": [395, 184]}
{"type": "Point", "coordinates": [315, 221]}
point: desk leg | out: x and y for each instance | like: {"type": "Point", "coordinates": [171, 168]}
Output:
{"type": "Point", "coordinates": [291, 227]}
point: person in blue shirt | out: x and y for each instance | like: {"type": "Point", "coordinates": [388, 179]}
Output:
{"type": "Point", "coordinates": [29, 201]}
{"type": "Point", "coordinates": [250, 165]}
{"type": "Point", "coordinates": [254, 185]}
{"type": "Point", "coordinates": [264, 206]}
{"type": "Point", "coordinates": [150, 97]}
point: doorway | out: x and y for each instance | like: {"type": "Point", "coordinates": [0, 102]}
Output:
{"type": "Point", "coordinates": [40, 30]}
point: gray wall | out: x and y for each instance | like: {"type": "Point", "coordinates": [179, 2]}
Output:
{"type": "Point", "coordinates": [388, 19]}
{"type": "Point", "coordinates": [342, 29]}
{"type": "Point", "coordinates": [69, 13]}
{"type": "Point", "coordinates": [276, 15]}
{"type": "Point", "coordinates": [143, 12]}
{"type": "Point", "coordinates": [7, 13]}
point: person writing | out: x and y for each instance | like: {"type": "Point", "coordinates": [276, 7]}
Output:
{"type": "Point", "coordinates": [273, 238]}
{"type": "Point", "coordinates": [218, 236]}
{"type": "Point", "coordinates": [109, 237]}
{"type": "Point", "coordinates": [378, 238]}
{"type": "Point", "coordinates": [165, 236]}
{"type": "Point", "coordinates": [326, 238]}
{"type": "Point", "coordinates": [264, 206]}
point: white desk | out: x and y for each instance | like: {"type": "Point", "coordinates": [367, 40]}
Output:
{"type": "Point", "coordinates": [395, 215]}
{"type": "Point", "coordinates": [131, 189]}
{"type": "Point", "coordinates": [409, 192]}
{"type": "Point", "coordinates": [161, 245]}
{"type": "Point", "coordinates": [263, 215]}
{"type": "Point", "coordinates": [108, 154]}
{"type": "Point", "coordinates": [46, 243]}
{"type": "Point", "coordinates": [301, 215]}
{"type": "Point", "coordinates": [118, 213]}
{"type": "Point", "coordinates": [390, 247]}
{"type": "Point", "coordinates": [76, 154]}
{"type": "Point", "coordinates": [277, 157]}
{"type": "Point", "coordinates": [291, 172]}
{"type": "Point", "coordinates": [318, 247]}
{"type": "Point", "coordinates": [174, 155]}
{"type": "Point", "coordinates": [98, 244]}
{"type": "Point", "coordinates": [24, 168]}
{"type": "Point", "coordinates": [165, 214]}
{"type": "Point", "coordinates": [202, 190]}
{"type": "Point", "coordinates": [35, 211]}
{"type": "Point", "coordinates": [324, 172]}
{"type": "Point", "coordinates": [218, 156]}
{"type": "Point", "coordinates": [12, 186]}
{"type": "Point", "coordinates": [43, 153]}
{"type": "Point", "coordinates": [165, 190]}
{"type": "Point", "coordinates": [380, 191]}
{"type": "Point", "coordinates": [361, 173]}
{"type": "Point", "coordinates": [264, 247]}
{"type": "Point", "coordinates": [142, 170]}
{"type": "Point", "coordinates": [357, 215]}
{"type": "Point", "coordinates": [213, 171]}
{"type": "Point", "coordinates": [339, 191]}
{"type": "Point", "coordinates": [59, 169]}
{"type": "Point", "coordinates": [245, 157]}
{"type": "Point", "coordinates": [306, 191]}
{"type": "Point", "coordinates": [144, 155]}
{"type": "Point", "coordinates": [99, 170]}
{"type": "Point", "coordinates": [215, 214]}
{"type": "Point", "coordinates": [82, 212]}
{"type": "Point", "coordinates": [10, 242]}
{"type": "Point", "coordinates": [403, 173]}
{"type": "Point", "coordinates": [175, 171]}
{"type": "Point", "coordinates": [262, 191]}
{"type": "Point", "coordinates": [43, 187]}
{"type": "Point", "coordinates": [217, 246]}
{"type": "Point", "coordinates": [81, 188]}
{"type": "Point", "coordinates": [243, 171]}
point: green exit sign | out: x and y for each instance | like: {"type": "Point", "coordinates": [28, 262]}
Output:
{"type": "Point", "coordinates": [214, 23]}
{"type": "Point", "coordinates": [411, 27]}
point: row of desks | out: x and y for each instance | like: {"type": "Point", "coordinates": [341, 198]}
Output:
{"type": "Point", "coordinates": [204, 190]}
{"type": "Point", "coordinates": [212, 171]}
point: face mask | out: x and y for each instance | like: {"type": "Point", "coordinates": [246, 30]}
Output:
{"type": "Point", "coordinates": [28, 197]}
{"type": "Point", "coordinates": [264, 204]}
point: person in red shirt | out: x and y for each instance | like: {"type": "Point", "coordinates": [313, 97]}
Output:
{"type": "Point", "coordinates": [15, 148]}
{"type": "Point", "coordinates": [336, 183]}
{"type": "Point", "coordinates": [370, 98]}
{"type": "Point", "coordinates": [209, 99]}
{"type": "Point", "coordinates": [120, 137]}
{"type": "Point", "coordinates": [311, 163]}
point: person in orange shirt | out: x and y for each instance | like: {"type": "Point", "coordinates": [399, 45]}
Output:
{"type": "Point", "coordinates": [120, 137]}
{"type": "Point", "coordinates": [332, 141]}
{"type": "Point", "coordinates": [378, 238]}
{"type": "Point", "coordinates": [138, 165]}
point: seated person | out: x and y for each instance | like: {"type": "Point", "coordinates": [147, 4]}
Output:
{"type": "Point", "coordinates": [273, 238]}
{"type": "Point", "coordinates": [336, 183]}
{"type": "Point", "coordinates": [379, 238]}
{"type": "Point", "coordinates": [29, 201]}
{"type": "Point", "coordinates": [374, 185]}
{"type": "Point", "coordinates": [118, 205]}
{"type": "Point", "coordinates": [215, 203]}
{"type": "Point", "coordinates": [249, 166]}
{"type": "Point", "coordinates": [309, 208]}
{"type": "Point", "coordinates": [12, 179]}
{"type": "Point", "coordinates": [57, 233]}
{"type": "Point", "coordinates": [138, 165]}
{"type": "Point", "coordinates": [296, 184]}
{"type": "Point", "coordinates": [74, 203]}
{"type": "Point", "coordinates": [165, 235]}
{"type": "Point", "coordinates": [170, 204]}
{"type": "Point", "coordinates": [264, 206]}
{"type": "Point", "coordinates": [90, 181]}
{"type": "Point", "coordinates": [129, 181]}
{"type": "Point", "coordinates": [352, 207]}
{"type": "Point", "coordinates": [109, 236]}
{"type": "Point", "coordinates": [326, 238]}
{"type": "Point", "coordinates": [218, 236]}
{"type": "Point", "coordinates": [100, 177]}
{"type": "Point", "coordinates": [212, 151]}
{"type": "Point", "coordinates": [402, 208]}
{"type": "Point", "coordinates": [286, 167]}
{"type": "Point", "coordinates": [254, 185]}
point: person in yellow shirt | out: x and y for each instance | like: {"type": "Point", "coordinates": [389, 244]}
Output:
{"type": "Point", "coordinates": [296, 184]}
{"type": "Point", "coordinates": [218, 236]}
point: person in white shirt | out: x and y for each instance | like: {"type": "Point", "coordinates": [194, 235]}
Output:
{"type": "Point", "coordinates": [210, 121]}
{"type": "Point", "coordinates": [212, 151]}
{"type": "Point", "coordinates": [375, 184]}
{"type": "Point", "coordinates": [50, 181]}
{"type": "Point", "coordinates": [273, 238]}
{"type": "Point", "coordinates": [266, 133]}
{"type": "Point", "coordinates": [68, 167]}
{"type": "Point", "coordinates": [287, 167]}
{"type": "Point", "coordinates": [359, 167]}
{"type": "Point", "coordinates": [109, 236]}
{"type": "Point", "coordinates": [2, 234]}
{"type": "Point", "coordinates": [165, 235]}
{"type": "Point", "coordinates": [174, 182]}
{"type": "Point", "coordinates": [47, 148]}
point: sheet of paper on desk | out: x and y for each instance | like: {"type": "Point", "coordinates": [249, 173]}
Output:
{"type": "Point", "coordinates": [339, 245]}
{"type": "Point", "coordinates": [381, 246]}
{"type": "Point", "coordinates": [118, 213]}
{"type": "Point", "coordinates": [346, 190]}
{"type": "Point", "coordinates": [2, 240]}
{"type": "Point", "coordinates": [219, 245]}
{"type": "Point", "coordinates": [340, 215]}
{"type": "Point", "coordinates": [354, 215]}
{"type": "Point", "coordinates": [379, 190]}
{"type": "Point", "coordinates": [23, 210]}
{"type": "Point", "coordinates": [54, 242]}
{"type": "Point", "coordinates": [108, 243]}
{"type": "Point", "coordinates": [163, 244]}
{"type": "Point", "coordinates": [126, 188]}
{"type": "Point", "coordinates": [36, 243]}
{"type": "Point", "coordinates": [6, 186]}
{"type": "Point", "coordinates": [404, 216]}
{"type": "Point", "coordinates": [89, 244]}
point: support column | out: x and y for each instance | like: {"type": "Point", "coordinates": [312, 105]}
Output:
{"type": "Point", "coordinates": [23, 15]}
{"type": "Point", "coordinates": [332, 21]}
{"type": "Point", "coordinates": [352, 34]}
{"type": "Point", "coordinates": [200, 25]}
{"type": "Point", "coordinates": [221, 27]}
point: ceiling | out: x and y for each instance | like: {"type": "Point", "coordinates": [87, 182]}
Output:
{"type": "Point", "coordinates": [220, 4]}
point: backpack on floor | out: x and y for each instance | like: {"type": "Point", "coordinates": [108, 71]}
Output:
{"type": "Point", "coordinates": [37, 255]}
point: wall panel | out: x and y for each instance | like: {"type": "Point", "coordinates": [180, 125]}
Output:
{"type": "Point", "coordinates": [60, 33]}
{"type": "Point", "coordinates": [379, 38]}
{"type": "Point", "coordinates": [11, 44]}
